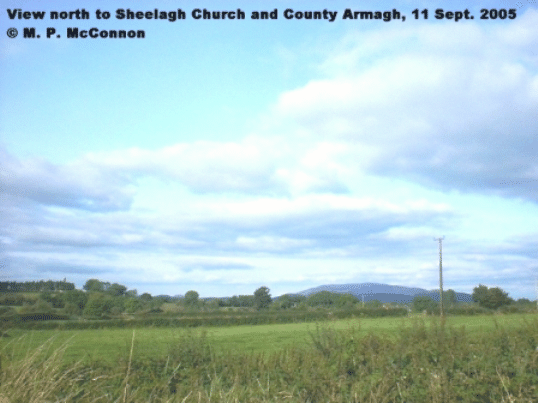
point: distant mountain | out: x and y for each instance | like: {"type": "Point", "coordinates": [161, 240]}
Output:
{"type": "Point", "coordinates": [383, 292]}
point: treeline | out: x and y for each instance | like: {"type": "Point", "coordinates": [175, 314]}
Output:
{"type": "Point", "coordinates": [36, 286]}
{"type": "Point", "coordinates": [487, 300]}
{"type": "Point", "coordinates": [100, 299]}
{"type": "Point", "coordinates": [237, 301]}
{"type": "Point", "coordinates": [222, 318]}
{"type": "Point", "coordinates": [289, 301]}
{"type": "Point", "coordinates": [116, 304]}
{"type": "Point", "coordinates": [113, 301]}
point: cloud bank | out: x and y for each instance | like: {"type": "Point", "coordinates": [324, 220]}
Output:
{"type": "Point", "coordinates": [330, 176]}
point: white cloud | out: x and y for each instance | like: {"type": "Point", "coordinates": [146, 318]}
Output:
{"type": "Point", "coordinates": [254, 165]}
{"type": "Point", "coordinates": [308, 197]}
{"type": "Point", "coordinates": [75, 185]}
{"type": "Point", "coordinates": [442, 109]}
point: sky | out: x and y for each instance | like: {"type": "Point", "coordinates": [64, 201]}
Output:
{"type": "Point", "coordinates": [225, 155]}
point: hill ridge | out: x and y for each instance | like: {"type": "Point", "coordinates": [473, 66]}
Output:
{"type": "Point", "coordinates": [383, 292]}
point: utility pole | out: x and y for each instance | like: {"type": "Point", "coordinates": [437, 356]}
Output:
{"type": "Point", "coordinates": [536, 290]}
{"type": "Point", "coordinates": [440, 240]}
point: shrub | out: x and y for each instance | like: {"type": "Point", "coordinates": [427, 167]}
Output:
{"type": "Point", "coordinates": [39, 306]}
{"type": "Point", "coordinates": [424, 362]}
{"type": "Point", "coordinates": [423, 303]}
{"type": "Point", "coordinates": [468, 309]}
{"type": "Point", "coordinates": [12, 299]}
{"type": "Point", "coordinates": [97, 307]}
{"type": "Point", "coordinates": [132, 305]}
{"type": "Point", "coordinates": [491, 298]}
{"type": "Point", "coordinates": [516, 308]}
{"type": "Point", "coordinates": [56, 301]}
{"type": "Point", "coordinates": [71, 309]}
{"type": "Point", "coordinates": [6, 310]}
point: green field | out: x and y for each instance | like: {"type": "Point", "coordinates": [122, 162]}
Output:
{"type": "Point", "coordinates": [107, 345]}
{"type": "Point", "coordinates": [491, 358]}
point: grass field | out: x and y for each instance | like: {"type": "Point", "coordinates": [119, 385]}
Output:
{"type": "Point", "coordinates": [469, 359]}
{"type": "Point", "coordinates": [107, 345]}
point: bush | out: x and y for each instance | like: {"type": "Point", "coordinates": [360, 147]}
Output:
{"type": "Point", "coordinates": [39, 306]}
{"type": "Point", "coordinates": [515, 308]}
{"type": "Point", "coordinates": [116, 310]}
{"type": "Point", "coordinates": [75, 297]}
{"type": "Point", "coordinates": [424, 362]}
{"type": "Point", "coordinates": [12, 300]}
{"type": "Point", "coordinates": [191, 298]}
{"type": "Point", "coordinates": [468, 309]}
{"type": "Point", "coordinates": [491, 298]}
{"type": "Point", "coordinates": [71, 309]}
{"type": "Point", "coordinates": [132, 305]}
{"type": "Point", "coordinates": [146, 319]}
{"type": "Point", "coordinates": [26, 320]}
{"type": "Point", "coordinates": [374, 303]}
{"type": "Point", "coordinates": [6, 310]}
{"type": "Point", "coordinates": [423, 303]}
{"type": "Point", "coordinates": [331, 299]}
{"type": "Point", "coordinates": [56, 301]}
{"type": "Point", "coordinates": [97, 307]}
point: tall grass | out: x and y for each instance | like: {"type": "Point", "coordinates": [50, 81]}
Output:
{"type": "Point", "coordinates": [425, 362]}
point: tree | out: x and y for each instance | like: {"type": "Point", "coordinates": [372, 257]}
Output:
{"type": "Point", "coordinates": [55, 300]}
{"type": "Point", "coordinates": [285, 301]}
{"type": "Point", "coordinates": [449, 298]}
{"type": "Point", "coordinates": [324, 298]}
{"type": "Point", "coordinates": [132, 305]}
{"type": "Point", "coordinates": [191, 298]}
{"type": "Point", "coordinates": [262, 298]}
{"type": "Point", "coordinates": [116, 290]}
{"type": "Point", "coordinates": [96, 308]}
{"type": "Point", "coordinates": [374, 303]}
{"type": "Point", "coordinates": [221, 302]}
{"type": "Point", "coordinates": [71, 309]}
{"type": "Point", "coordinates": [12, 299]}
{"type": "Point", "coordinates": [146, 297]}
{"type": "Point", "coordinates": [40, 306]}
{"type": "Point", "coordinates": [246, 300]}
{"type": "Point", "coordinates": [118, 303]}
{"type": "Point", "coordinates": [480, 294]}
{"type": "Point", "coordinates": [234, 301]}
{"type": "Point", "coordinates": [156, 302]}
{"type": "Point", "coordinates": [334, 299]}
{"type": "Point", "coordinates": [497, 298]}
{"type": "Point", "coordinates": [94, 285]}
{"type": "Point", "coordinates": [165, 298]}
{"type": "Point", "coordinates": [491, 298]}
{"type": "Point", "coordinates": [64, 286]}
{"type": "Point", "coordinates": [524, 301]}
{"type": "Point", "coordinates": [345, 300]}
{"type": "Point", "coordinates": [49, 286]}
{"type": "Point", "coordinates": [75, 297]}
{"type": "Point", "coordinates": [423, 303]}
{"type": "Point", "coordinates": [131, 293]}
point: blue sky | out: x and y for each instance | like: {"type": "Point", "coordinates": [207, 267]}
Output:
{"type": "Point", "coordinates": [221, 156]}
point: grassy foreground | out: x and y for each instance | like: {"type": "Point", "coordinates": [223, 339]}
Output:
{"type": "Point", "coordinates": [108, 345]}
{"type": "Point", "coordinates": [477, 359]}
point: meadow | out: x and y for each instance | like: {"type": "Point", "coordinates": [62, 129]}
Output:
{"type": "Point", "coordinates": [109, 344]}
{"type": "Point", "coordinates": [491, 358]}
